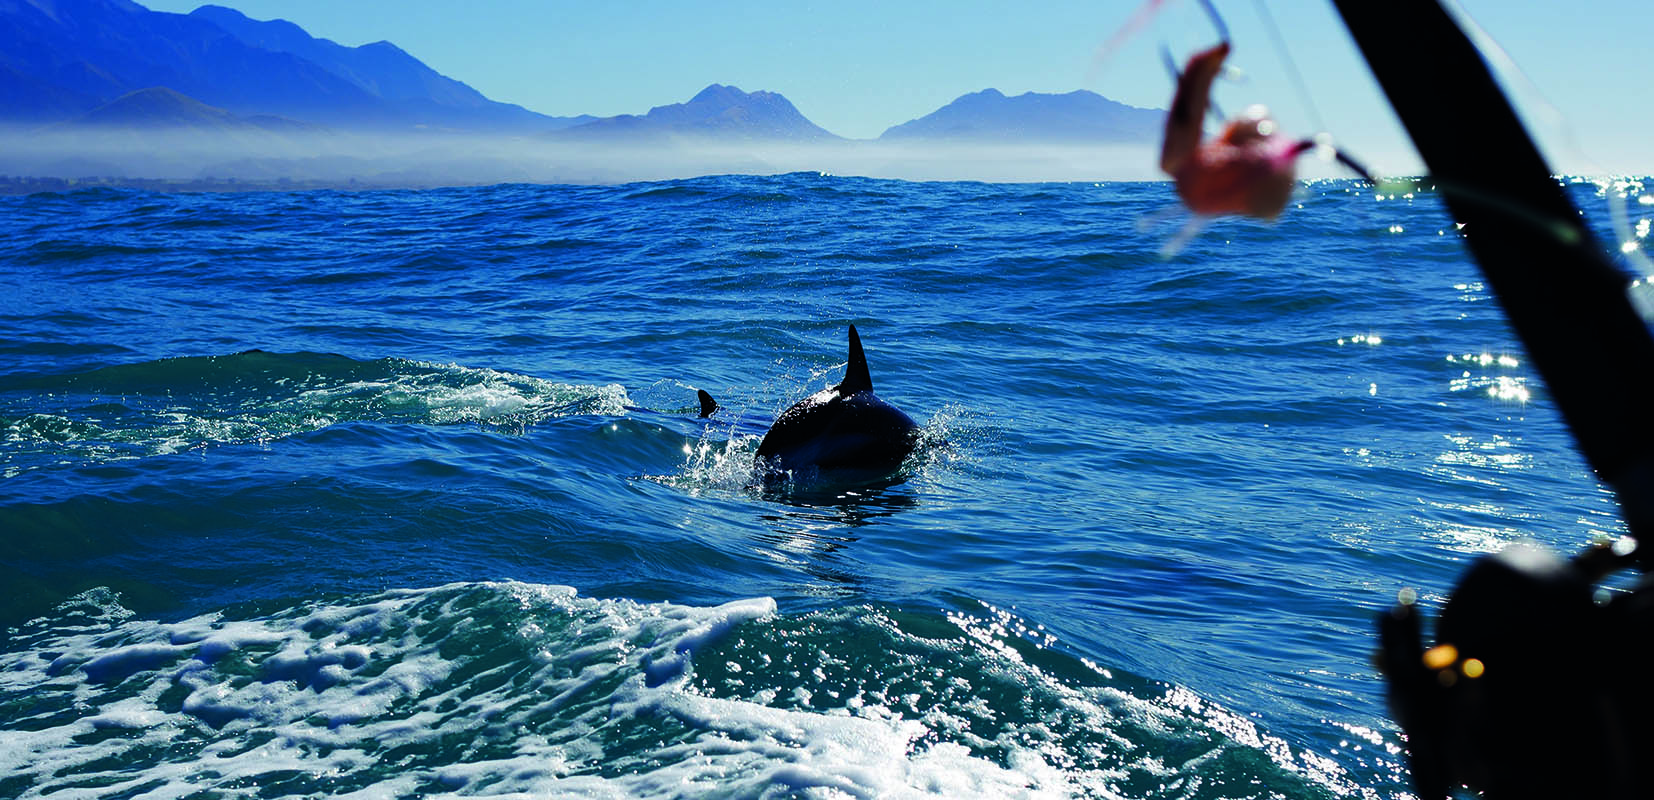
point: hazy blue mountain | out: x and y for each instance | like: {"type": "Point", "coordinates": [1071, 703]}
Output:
{"type": "Point", "coordinates": [59, 58]}
{"type": "Point", "coordinates": [718, 112]}
{"type": "Point", "coordinates": [83, 53]}
{"type": "Point", "coordinates": [163, 108]}
{"type": "Point", "coordinates": [990, 117]}
{"type": "Point", "coordinates": [387, 72]}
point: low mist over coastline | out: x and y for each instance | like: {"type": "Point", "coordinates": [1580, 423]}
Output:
{"type": "Point", "coordinates": [120, 155]}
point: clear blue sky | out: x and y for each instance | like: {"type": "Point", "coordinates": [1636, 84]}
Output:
{"type": "Point", "coordinates": [856, 67]}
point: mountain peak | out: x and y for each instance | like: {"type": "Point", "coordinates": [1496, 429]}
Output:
{"type": "Point", "coordinates": [720, 94]}
{"type": "Point", "coordinates": [716, 112]}
{"type": "Point", "coordinates": [275, 34]}
{"type": "Point", "coordinates": [384, 46]}
{"type": "Point", "coordinates": [1079, 117]}
{"type": "Point", "coordinates": [161, 108]}
{"type": "Point", "coordinates": [155, 105]}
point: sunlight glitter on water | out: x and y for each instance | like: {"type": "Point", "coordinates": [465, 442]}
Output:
{"type": "Point", "coordinates": [1503, 388]}
{"type": "Point", "coordinates": [1498, 453]}
{"type": "Point", "coordinates": [1484, 359]}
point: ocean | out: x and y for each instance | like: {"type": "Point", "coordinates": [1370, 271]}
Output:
{"type": "Point", "coordinates": [403, 493]}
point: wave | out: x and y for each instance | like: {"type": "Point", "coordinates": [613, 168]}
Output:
{"type": "Point", "coordinates": [177, 404]}
{"type": "Point", "coordinates": [515, 689]}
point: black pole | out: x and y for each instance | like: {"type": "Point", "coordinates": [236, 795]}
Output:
{"type": "Point", "coordinates": [1567, 302]}
{"type": "Point", "coordinates": [1538, 689]}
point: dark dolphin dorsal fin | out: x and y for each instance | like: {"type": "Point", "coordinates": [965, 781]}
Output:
{"type": "Point", "coordinates": [708, 405]}
{"type": "Point", "coordinates": [856, 376]}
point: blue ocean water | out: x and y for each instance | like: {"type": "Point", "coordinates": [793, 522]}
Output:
{"type": "Point", "coordinates": [403, 493]}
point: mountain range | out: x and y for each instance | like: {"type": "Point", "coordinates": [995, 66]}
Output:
{"type": "Point", "coordinates": [111, 88]}
{"type": "Point", "coordinates": [73, 61]}
{"type": "Point", "coordinates": [63, 58]}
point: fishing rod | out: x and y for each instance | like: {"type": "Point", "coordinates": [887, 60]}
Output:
{"type": "Point", "coordinates": [1538, 685]}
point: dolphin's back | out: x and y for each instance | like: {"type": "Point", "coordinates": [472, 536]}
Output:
{"type": "Point", "coordinates": [844, 428]}
{"type": "Point", "coordinates": [830, 432]}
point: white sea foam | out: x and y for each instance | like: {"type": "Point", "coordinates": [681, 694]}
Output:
{"type": "Point", "coordinates": [517, 690]}
{"type": "Point", "coordinates": [329, 691]}
{"type": "Point", "coordinates": [449, 393]}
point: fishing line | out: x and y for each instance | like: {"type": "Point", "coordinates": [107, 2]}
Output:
{"type": "Point", "coordinates": [1212, 109]}
{"type": "Point", "coordinates": [1217, 20]}
{"type": "Point", "coordinates": [1615, 193]}
{"type": "Point", "coordinates": [1323, 140]}
{"type": "Point", "coordinates": [1139, 20]}
{"type": "Point", "coordinates": [1291, 66]}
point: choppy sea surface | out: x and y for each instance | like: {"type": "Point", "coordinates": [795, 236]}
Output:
{"type": "Point", "coordinates": [403, 493]}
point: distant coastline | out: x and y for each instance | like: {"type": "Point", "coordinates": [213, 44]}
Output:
{"type": "Point", "coordinates": [13, 185]}
{"type": "Point", "coordinates": [455, 164]}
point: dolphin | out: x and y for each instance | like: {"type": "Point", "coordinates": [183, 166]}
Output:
{"type": "Point", "coordinates": [843, 432]}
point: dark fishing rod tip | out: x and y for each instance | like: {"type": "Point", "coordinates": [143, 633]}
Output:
{"type": "Point", "coordinates": [1357, 167]}
{"type": "Point", "coordinates": [1349, 162]}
